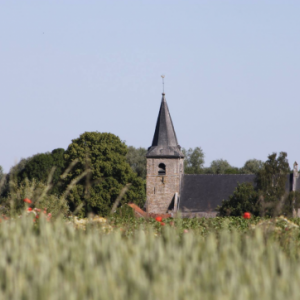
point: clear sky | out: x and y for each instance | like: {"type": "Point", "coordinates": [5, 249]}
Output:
{"type": "Point", "coordinates": [232, 74]}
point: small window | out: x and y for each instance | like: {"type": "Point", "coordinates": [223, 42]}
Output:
{"type": "Point", "coordinates": [161, 169]}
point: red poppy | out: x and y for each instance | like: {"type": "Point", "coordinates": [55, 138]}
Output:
{"type": "Point", "coordinates": [247, 215]}
{"type": "Point", "coordinates": [158, 219]}
{"type": "Point", "coordinates": [37, 216]}
{"type": "Point", "coordinates": [29, 209]}
{"type": "Point", "coordinates": [27, 200]}
{"type": "Point", "coordinates": [162, 224]}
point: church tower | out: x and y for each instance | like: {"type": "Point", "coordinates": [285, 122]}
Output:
{"type": "Point", "coordinates": [164, 164]}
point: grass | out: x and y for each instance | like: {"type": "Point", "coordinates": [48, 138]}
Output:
{"type": "Point", "coordinates": [222, 258]}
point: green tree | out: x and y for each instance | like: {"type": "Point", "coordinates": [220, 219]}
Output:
{"type": "Point", "coordinates": [194, 160]}
{"type": "Point", "coordinates": [39, 167]}
{"type": "Point", "coordinates": [252, 166]}
{"type": "Point", "coordinates": [244, 198]}
{"type": "Point", "coordinates": [271, 182]}
{"type": "Point", "coordinates": [104, 154]}
{"type": "Point", "coordinates": [291, 203]}
{"type": "Point", "coordinates": [136, 157]}
{"type": "Point", "coordinates": [1, 172]}
{"type": "Point", "coordinates": [269, 197]}
{"type": "Point", "coordinates": [221, 166]}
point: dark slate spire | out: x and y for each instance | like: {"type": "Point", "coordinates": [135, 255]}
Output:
{"type": "Point", "coordinates": [164, 142]}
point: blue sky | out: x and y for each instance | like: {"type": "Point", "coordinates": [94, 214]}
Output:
{"type": "Point", "coordinates": [232, 74]}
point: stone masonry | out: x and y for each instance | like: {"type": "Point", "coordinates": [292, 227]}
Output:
{"type": "Point", "coordinates": [162, 188]}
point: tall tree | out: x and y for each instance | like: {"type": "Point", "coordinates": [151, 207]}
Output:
{"type": "Point", "coordinates": [269, 196]}
{"type": "Point", "coordinates": [104, 154]}
{"type": "Point", "coordinates": [136, 157]}
{"type": "Point", "coordinates": [271, 181]}
{"type": "Point", "coordinates": [252, 166]}
{"type": "Point", "coordinates": [39, 167]}
{"type": "Point", "coordinates": [194, 160]}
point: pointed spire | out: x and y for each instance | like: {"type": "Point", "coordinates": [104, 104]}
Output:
{"type": "Point", "coordinates": [164, 142]}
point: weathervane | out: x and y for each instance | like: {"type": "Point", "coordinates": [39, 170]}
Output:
{"type": "Point", "coordinates": [163, 82]}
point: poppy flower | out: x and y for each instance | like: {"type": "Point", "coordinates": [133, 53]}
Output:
{"type": "Point", "coordinates": [247, 215]}
{"type": "Point", "coordinates": [162, 223]}
{"type": "Point", "coordinates": [158, 219]}
{"type": "Point", "coordinates": [29, 209]}
{"type": "Point", "coordinates": [37, 209]}
{"type": "Point", "coordinates": [27, 200]}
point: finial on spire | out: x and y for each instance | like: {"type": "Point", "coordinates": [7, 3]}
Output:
{"type": "Point", "coordinates": [163, 82]}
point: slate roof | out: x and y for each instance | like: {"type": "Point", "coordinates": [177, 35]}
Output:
{"type": "Point", "coordinates": [164, 142]}
{"type": "Point", "coordinates": [204, 192]}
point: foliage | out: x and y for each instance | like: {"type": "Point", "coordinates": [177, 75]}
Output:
{"type": "Point", "coordinates": [252, 166]}
{"type": "Point", "coordinates": [124, 212]}
{"type": "Point", "coordinates": [224, 263]}
{"type": "Point", "coordinates": [271, 181]}
{"type": "Point", "coordinates": [221, 166]}
{"type": "Point", "coordinates": [194, 160]}
{"type": "Point", "coordinates": [244, 198]}
{"type": "Point", "coordinates": [39, 166]}
{"type": "Point", "coordinates": [291, 203]}
{"type": "Point", "coordinates": [1, 172]}
{"type": "Point", "coordinates": [103, 157]}
{"type": "Point", "coordinates": [269, 196]}
{"type": "Point", "coordinates": [136, 157]}
{"type": "Point", "coordinates": [35, 191]}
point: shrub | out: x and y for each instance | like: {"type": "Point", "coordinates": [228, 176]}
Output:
{"type": "Point", "coordinates": [244, 198]}
{"type": "Point", "coordinates": [37, 193]}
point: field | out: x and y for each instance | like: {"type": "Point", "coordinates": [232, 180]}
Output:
{"type": "Point", "coordinates": [221, 258]}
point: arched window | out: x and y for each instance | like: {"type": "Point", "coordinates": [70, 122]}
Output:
{"type": "Point", "coordinates": [161, 169]}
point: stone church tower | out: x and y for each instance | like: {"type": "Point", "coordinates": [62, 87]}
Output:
{"type": "Point", "coordinates": [164, 164]}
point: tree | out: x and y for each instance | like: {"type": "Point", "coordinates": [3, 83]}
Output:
{"type": "Point", "coordinates": [103, 157]}
{"type": "Point", "coordinates": [291, 203]}
{"type": "Point", "coordinates": [1, 172]}
{"type": "Point", "coordinates": [221, 166]}
{"type": "Point", "coordinates": [39, 167]}
{"type": "Point", "coordinates": [244, 198]}
{"type": "Point", "coordinates": [136, 157]}
{"type": "Point", "coordinates": [252, 166]}
{"type": "Point", "coordinates": [194, 160]}
{"type": "Point", "coordinates": [271, 181]}
{"type": "Point", "coordinates": [269, 197]}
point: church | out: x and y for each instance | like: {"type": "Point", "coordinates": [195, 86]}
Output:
{"type": "Point", "coordinates": [170, 190]}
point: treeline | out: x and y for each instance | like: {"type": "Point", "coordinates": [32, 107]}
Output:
{"type": "Point", "coordinates": [193, 163]}
{"type": "Point", "coordinates": [85, 178]}
{"type": "Point", "coordinates": [96, 168]}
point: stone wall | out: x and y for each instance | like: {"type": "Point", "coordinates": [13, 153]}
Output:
{"type": "Point", "coordinates": [162, 188]}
